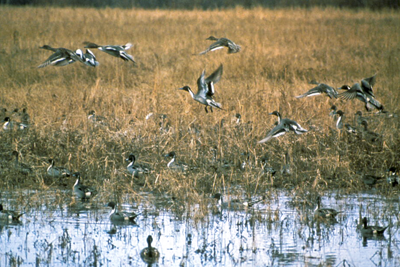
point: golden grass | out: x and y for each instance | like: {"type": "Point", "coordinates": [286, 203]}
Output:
{"type": "Point", "coordinates": [282, 50]}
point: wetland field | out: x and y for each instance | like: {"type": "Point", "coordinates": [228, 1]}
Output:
{"type": "Point", "coordinates": [140, 110]}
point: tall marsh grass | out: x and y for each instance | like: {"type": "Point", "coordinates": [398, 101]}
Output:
{"type": "Point", "coordinates": [282, 50]}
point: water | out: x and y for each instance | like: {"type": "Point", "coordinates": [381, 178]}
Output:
{"type": "Point", "coordinates": [276, 232]}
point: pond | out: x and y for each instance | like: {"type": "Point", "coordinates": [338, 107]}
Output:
{"type": "Point", "coordinates": [277, 231]}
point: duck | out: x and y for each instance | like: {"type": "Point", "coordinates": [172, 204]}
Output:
{"type": "Point", "coordinates": [234, 204]}
{"type": "Point", "coordinates": [371, 230]}
{"type": "Point", "coordinates": [283, 126]}
{"type": "Point", "coordinates": [369, 135]}
{"type": "Point", "coordinates": [324, 213]}
{"type": "Point", "coordinates": [57, 172]}
{"type": "Point", "coordinates": [371, 180]}
{"type": "Point", "coordinates": [367, 84]}
{"type": "Point", "coordinates": [206, 89]}
{"type": "Point", "coordinates": [96, 119]}
{"type": "Point", "coordinates": [333, 111]}
{"type": "Point", "coordinates": [82, 191]}
{"type": "Point", "coordinates": [116, 216]}
{"type": "Point", "coordinates": [19, 166]}
{"type": "Point", "coordinates": [8, 125]}
{"type": "Point", "coordinates": [221, 43]}
{"type": "Point", "coordinates": [149, 254]}
{"type": "Point", "coordinates": [392, 177]}
{"type": "Point", "coordinates": [358, 118]}
{"type": "Point", "coordinates": [88, 58]}
{"type": "Point", "coordinates": [9, 215]}
{"type": "Point", "coordinates": [174, 165]}
{"type": "Point", "coordinates": [61, 57]}
{"type": "Point", "coordinates": [113, 50]}
{"type": "Point", "coordinates": [339, 121]}
{"type": "Point", "coordinates": [135, 169]}
{"type": "Point", "coordinates": [286, 170]}
{"type": "Point", "coordinates": [25, 118]}
{"type": "Point", "coordinates": [265, 167]}
{"type": "Point", "coordinates": [350, 129]}
{"type": "Point", "coordinates": [320, 89]}
{"type": "Point", "coordinates": [356, 91]}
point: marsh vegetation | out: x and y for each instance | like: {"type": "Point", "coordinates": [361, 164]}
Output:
{"type": "Point", "coordinates": [144, 113]}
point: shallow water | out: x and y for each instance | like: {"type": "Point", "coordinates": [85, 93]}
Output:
{"type": "Point", "coordinates": [277, 232]}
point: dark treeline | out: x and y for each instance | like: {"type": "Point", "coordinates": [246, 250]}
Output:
{"type": "Point", "coordinates": [209, 4]}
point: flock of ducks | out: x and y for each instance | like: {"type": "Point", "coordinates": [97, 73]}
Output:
{"type": "Point", "coordinates": [205, 95]}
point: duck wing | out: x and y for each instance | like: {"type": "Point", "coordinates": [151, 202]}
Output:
{"type": "Point", "coordinates": [212, 79]}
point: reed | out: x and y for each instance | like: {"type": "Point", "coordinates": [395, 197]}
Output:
{"type": "Point", "coordinates": [282, 50]}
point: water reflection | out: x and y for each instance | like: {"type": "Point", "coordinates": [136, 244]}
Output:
{"type": "Point", "coordinates": [274, 232]}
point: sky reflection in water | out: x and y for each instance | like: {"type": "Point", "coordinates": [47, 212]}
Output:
{"type": "Point", "coordinates": [273, 234]}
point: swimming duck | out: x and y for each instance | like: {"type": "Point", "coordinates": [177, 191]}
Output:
{"type": "Point", "coordinates": [371, 230]}
{"type": "Point", "coordinates": [19, 166]}
{"type": "Point", "coordinates": [82, 191]}
{"type": "Point", "coordinates": [114, 50]}
{"type": "Point", "coordinates": [9, 215]}
{"type": "Point", "coordinates": [88, 58]}
{"type": "Point", "coordinates": [135, 169]}
{"type": "Point", "coordinates": [283, 126]}
{"type": "Point", "coordinates": [392, 177]}
{"type": "Point", "coordinates": [149, 254]}
{"type": "Point", "coordinates": [61, 57]}
{"type": "Point", "coordinates": [206, 89]}
{"type": "Point", "coordinates": [321, 88]}
{"type": "Point", "coordinates": [121, 216]}
{"type": "Point", "coordinates": [339, 121]}
{"type": "Point", "coordinates": [174, 165]}
{"type": "Point", "coordinates": [325, 213]}
{"type": "Point", "coordinates": [234, 204]}
{"type": "Point", "coordinates": [221, 43]}
{"type": "Point", "coordinates": [57, 172]}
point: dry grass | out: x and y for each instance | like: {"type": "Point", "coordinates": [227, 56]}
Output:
{"type": "Point", "coordinates": [282, 50]}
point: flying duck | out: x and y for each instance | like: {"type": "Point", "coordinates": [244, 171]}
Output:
{"type": "Point", "coordinates": [363, 94]}
{"type": "Point", "coordinates": [113, 50]}
{"type": "Point", "coordinates": [221, 43]}
{"type": "Point", "coordinates": [57, 172]}
{"type": "Point", "coordinates": [88, 58]}
{"type": "Point", "coordinates": [135, 169]}
{"type": "Point", "coordinates": [149, 254]}
{"type": "Point", "coordinates": [116, 216]}
{"type": "Point", "coordinates": [82, 191]}
{"type": "Point", "coordinates": [283, 126]}
{"type": "Point", "coordinates": [321, 88]}
{"type": "Point", "coordinates": [206, 89]}
{"type": "Point", "coordinates": [61, 57]}
{"type": "Point", "coordinates": [9, 215]}
{"type": "Point", "coordinates": [371, 230]}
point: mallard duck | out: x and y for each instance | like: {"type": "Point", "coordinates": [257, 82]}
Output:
{"type": "Point", "coordinates": [61, 57]}
{"type": "Point", "coordinates": [221, 43]}
{"type": "Point", "coordinates": [121, 217]}
{"type": "Point", "coordinates": [324, 213]}
{"type": "Point", "coordinates": [371, 230]}
{"type": "Point", "coordinates": [206, 89]}
{"type": "Point", "coordinates": [82, 191]}
{"type": "Point", "coordinates": [57, 172]}
{"type": "Point", "coordinates": [321, 88]}
{"type": "Point", "coordinates": [149, 254]}
{"type": "Point", "coordinates": [9, 215]}
{"type": "Point", "coordinates": [135, 169]}
{"type": "Point", "coordinates": [113, 50]}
